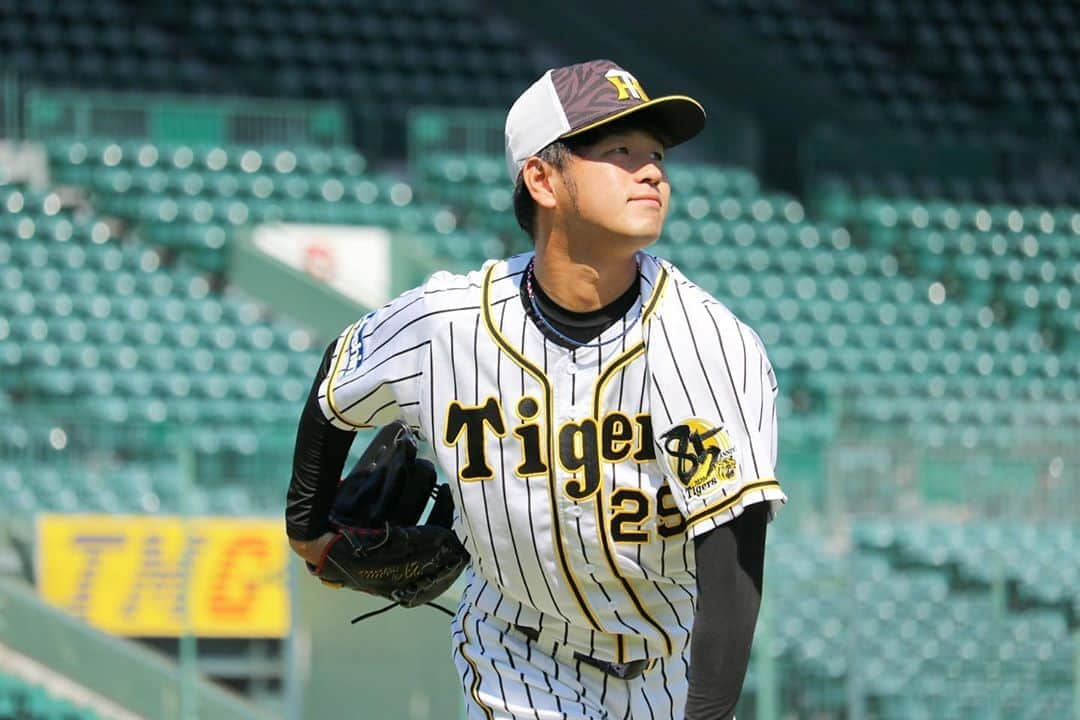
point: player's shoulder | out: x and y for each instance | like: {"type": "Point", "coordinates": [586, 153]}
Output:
{"type": "Point", "coordinates": [450, 288]}
{"type": "Point", "coordinates": [684, 292]}
{"type": "Point", "coordinates": [445, 290]}
{"type": "Point", "coordinates": [687, 296]}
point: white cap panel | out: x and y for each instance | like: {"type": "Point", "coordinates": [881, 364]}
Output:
{"type": "Point", "coordinates": [536, 119]}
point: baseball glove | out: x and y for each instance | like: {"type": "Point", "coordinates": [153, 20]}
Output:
{"type": "Point", "coordinates": [380, 548]}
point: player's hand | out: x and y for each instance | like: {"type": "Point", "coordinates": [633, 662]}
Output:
{"type": "Point", "coordinates": [312, 550]}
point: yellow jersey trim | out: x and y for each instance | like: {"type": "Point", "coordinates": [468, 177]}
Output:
{"type": "Point", "coordinates": [730, 501]}
{"type": "Point", "coordinates": [342, 347]}
{"type": "Point", "coordinates": [545, 383]}
{"type": "Point", "coordinates": [474, 689]}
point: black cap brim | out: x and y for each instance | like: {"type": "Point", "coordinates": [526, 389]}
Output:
{"type": "Point", "coordinates": [679, 117]}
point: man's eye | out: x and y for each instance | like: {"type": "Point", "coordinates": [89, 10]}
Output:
{"type": "Point", "coordinates": [658, 156]}
{"type": "Point", "coordinates": [622, 149]}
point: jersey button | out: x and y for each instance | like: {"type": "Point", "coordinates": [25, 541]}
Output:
{"type": "Point", "coordinates": [571, 368]}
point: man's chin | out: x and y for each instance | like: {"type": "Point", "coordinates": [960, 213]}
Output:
{"type": "Point", "coordinates": [644, 239]}
{"type": "Point", "coordinates": [636, 238]}
{"type": "Point", "coordinates": [636, 242]}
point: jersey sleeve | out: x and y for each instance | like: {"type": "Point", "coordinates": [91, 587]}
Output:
{"type": "Point", "coordinates": [718, 445]}
{"type": "Point", "coordinates": [378, 366]}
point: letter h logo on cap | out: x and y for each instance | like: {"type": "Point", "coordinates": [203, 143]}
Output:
{"type": "Point", "coordinates": [626, 84]}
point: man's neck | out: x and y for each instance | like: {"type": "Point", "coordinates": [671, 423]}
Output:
{"type": "Point", "coordinates": [583, 283]}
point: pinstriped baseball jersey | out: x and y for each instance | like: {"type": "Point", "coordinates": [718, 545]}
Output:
{"type": "Point", "coordinates": [580, 475]}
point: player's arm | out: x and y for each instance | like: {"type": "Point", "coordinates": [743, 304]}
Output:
{"type": "Point", "coordinates": [729, 551]}
{"type": "Point", "coordinates": [730, 566]}
{"type": "Point", "coordinates": [318, 460]}
{"type": "Point", "coordinates": [365, 375]}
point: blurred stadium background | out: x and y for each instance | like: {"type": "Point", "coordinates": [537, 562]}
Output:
{"type": "Point", "coordinates": [195, 197]}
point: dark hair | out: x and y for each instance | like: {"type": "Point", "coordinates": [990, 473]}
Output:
{"type": "Point", "coordinates": [557, 153]}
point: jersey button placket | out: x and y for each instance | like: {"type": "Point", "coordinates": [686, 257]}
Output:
{"type": "Point", "coordinates": [570, 510]}
{"type": "Point", "coordinates": [564, 400]}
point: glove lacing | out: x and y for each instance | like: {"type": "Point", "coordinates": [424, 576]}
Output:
{"type": "Point", "coordinates": [393, 605]}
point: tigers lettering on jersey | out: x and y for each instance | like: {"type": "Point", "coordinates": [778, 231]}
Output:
{"type": "Point", "coordinates": [582, 445]}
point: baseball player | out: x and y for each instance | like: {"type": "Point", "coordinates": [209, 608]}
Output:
{"type": "Point", "coordinates": [607, 427]}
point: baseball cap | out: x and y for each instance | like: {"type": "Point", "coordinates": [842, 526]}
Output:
{"type": "Point", "coordinates": [574, 99]}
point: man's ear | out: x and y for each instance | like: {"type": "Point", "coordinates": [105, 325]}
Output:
{"type": "Point", "coordinates": [539, 178]}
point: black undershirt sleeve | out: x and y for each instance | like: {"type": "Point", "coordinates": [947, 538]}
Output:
{"type": "Point", "coordinates": [730, 566]}
{"type": "Point", "coordinates": [318, 460]}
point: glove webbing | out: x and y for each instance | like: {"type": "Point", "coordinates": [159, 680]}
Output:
{"type": "Point", "coordinates": [359, 618]}
{"type": "Point", "coordinates": [433, 494]}
{"type": "Point", "coordinates": [393, 605]}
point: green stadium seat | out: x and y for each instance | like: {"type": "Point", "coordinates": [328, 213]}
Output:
{"type": "Point", "coordinates": [843, 303]}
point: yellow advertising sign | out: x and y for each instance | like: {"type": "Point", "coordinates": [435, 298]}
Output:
{"type": "Point", "coordinates": [166, 575]}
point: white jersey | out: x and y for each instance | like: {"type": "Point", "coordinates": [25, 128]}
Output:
{"type": "Point", "coordinates": [578, 486]}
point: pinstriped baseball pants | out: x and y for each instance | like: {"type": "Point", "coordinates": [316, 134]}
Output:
{"type": "Point", "coordinates": [506, 676]}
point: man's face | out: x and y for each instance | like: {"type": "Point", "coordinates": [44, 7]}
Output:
{"type": "Point", "coordinates": [616, 188]}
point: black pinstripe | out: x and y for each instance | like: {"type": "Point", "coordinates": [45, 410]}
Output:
{"type": "Point", "coordinates": [667, 413]}
{"type": "Point", "coordinates": [742, 341]}
{"type": "Point", "coordinates": [386, 342]}
{"type": "Point", "coordinates": [483, 485]}
{"type": "Point", "coordinates": [683, 655]}
{"type": "Point", "coordinates": [368, 369]}
{"type": "Point", "coordinates": [697, 351]}
{"type": "Point", "coordinates": [487, 653]}
{"type": "Point", "coordinates": [461, 640]}
{"type": "Point", "coordinates": [504, 475]}
{"type": "Point", "coordinates": [384, 406]}
{"type": "Point", "coordinates": [645, 697]}
{"type": "Point", "coordinates": [675, 364]}
{"type": "Point", "coordinates": [735, 391]}
{"type": "Point", "coordinates": [423, 295]}
{"type": "Point", "coordinates": [671, 700]}
{"type": "Point", "coordinates": [528, 489]}
{"type": "Point", "coordinates": [378, 326]}
{"type": "Point", "coordinates": [377, 388]}
{"type": "Point", "coordinates": [457, 455]}
{"type": "Point", "coordinates": [433, 438]}
{"type": "Point", "coordinates": [761, 391]}
{"type": "Point", "coordinates": [577, 519]}
{"type": "Point", "coordinates": [521, 370]}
